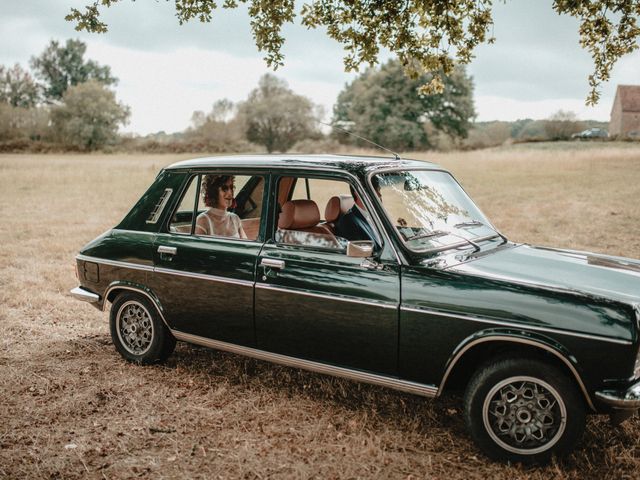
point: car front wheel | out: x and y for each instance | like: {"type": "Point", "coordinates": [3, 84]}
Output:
{"type": "Point", "coordinates": [523, 410]}
{"type": "Point", "coordinates": [137, 331]}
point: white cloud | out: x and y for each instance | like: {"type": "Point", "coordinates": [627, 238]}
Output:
{"type": "Point", "coordinates": [164, 89]}
{"type": "Point", "coordinates": [508, 109]}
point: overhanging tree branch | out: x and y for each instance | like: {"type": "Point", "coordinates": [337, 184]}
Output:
{"type": "Point", "coordinates": [426, 36]}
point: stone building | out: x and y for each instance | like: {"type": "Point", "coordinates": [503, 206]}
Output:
{"type": "Point", "coordinates": [625, 114]}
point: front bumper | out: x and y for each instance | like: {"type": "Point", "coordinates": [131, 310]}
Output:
{"type": "Point", "coordinates": [80, 293]}
{"type": "Point", "coordinates": [628, 399]}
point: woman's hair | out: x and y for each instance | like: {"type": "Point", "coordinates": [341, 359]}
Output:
{"type": "Point", "coordinates": [210, 187]}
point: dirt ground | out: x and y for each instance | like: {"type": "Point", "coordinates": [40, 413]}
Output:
{"type": "Point", "coordinates": [70, 407]}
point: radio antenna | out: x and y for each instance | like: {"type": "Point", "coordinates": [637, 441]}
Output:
{"type": "Point", "coordinates": [361, 138]}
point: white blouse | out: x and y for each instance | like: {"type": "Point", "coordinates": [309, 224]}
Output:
{"type": "Point", "coordinates": [218, 222]}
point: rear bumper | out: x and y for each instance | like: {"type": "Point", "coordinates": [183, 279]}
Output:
{"type": "Point", "coordinates": [80, 293]}
{"type": "Point", "coordinates": [628, 399]}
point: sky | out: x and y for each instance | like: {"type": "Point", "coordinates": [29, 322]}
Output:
{"type": "Point", "coordinates": [167, 71]}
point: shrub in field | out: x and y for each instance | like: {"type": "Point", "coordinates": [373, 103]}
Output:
{"type": "Point", "coordinates": [561, 125]}
{"type": "Point", "coordinates": [89, 117]}
{"type": "Point", "coordinates": [20, 123]}
{"type": "Point", "coordinates": [491, 134]}
{"type": "Point", "coordinates": [221, 130]}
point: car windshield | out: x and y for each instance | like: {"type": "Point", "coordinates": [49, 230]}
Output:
{"type": "Point", "coordinates": [431, 211]}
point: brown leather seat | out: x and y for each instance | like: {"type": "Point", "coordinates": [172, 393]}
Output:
{"type": "Point", "coordinates": [301, 215]}
{"type": "Point", "coordinates": [298, 224]}
{"type": "Point", "coordinates": [336, 207]}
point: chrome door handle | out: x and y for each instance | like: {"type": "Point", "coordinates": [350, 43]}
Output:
{"type": "Point", "coordinates": [272, 263]}
{"type": "Point", "coordinates": [371, 264]}
{"type": "Point", "coordinates": [168, 250]}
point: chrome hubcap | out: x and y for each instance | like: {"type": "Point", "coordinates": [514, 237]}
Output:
{"type": "Point", "coordinates": [524, 415]}
{"type": "Point", "coordinates": [135, 328]}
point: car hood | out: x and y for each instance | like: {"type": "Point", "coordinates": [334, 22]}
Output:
{"type": "Point", "coordinates": [612, 278]}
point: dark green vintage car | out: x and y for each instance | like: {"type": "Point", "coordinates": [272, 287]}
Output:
{"type": "Point", "coordinates": [401, 282]}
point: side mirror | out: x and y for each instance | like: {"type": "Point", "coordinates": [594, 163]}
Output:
{"type": "Point", "coordinates": [360, 248]}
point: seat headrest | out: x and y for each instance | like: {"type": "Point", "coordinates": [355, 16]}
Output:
{"type": "Point", "coordinates": [337, 206]}
{"type": "Point", "coordinates": [299, 214]}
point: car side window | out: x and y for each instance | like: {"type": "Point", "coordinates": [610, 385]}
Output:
{"type": "Point", "coordinates": [182, 219]}
{"type": "Point", "coordinates": [210, 207]}
{"type": "Point", "coordinates": [306, 218]}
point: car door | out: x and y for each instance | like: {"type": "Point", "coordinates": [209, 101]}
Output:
{"type": "Point", "coordinates": [205, 282]}
{"type": "Point", "coordinates": [319, 304]}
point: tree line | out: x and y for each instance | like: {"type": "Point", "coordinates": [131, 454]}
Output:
{"type": "Point", "coordinates": [62, 102]}
{"type": "Point", "coordinates": [429, 36]}
{"type": "Point", "coordinates": [66, 102]}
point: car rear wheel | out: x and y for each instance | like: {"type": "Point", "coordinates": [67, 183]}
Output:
{"type": "Point", "coordinates": [137, 331]}
{"type": "Point", "coordinates": [523, 410]}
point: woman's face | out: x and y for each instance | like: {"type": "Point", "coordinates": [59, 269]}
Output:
{"type": "Point", "coordinates": [225, 194]}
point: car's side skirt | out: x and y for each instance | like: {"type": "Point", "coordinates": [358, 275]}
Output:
{"type": "Point", "coordinates": [389, 382]}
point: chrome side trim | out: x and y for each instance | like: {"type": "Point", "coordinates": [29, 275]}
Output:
{"type": "Point", "coordinates": [137, 266]}
{"type": "Point", "coordinates": [389, 382]}
{"type": "Point", "coordinates": [80, 293]}
{"type": "Point", "coordinates": [328, 297]}
{"type": "Point", "coordinates": [502, 323]}
{"type": "Point", "coordinates": [504, 338]}
{"type": "Point", "coordinates": [115, 263]}
{"type": "Point", "coordinates": [203, 276]}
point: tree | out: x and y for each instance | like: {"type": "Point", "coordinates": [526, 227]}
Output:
{"type": "Point", "coordinates": [89, 116]}
{"type": "Point", "coordinates": [60, 67]}
{"type": "Point", "coordinates": [421, 34]}
{"type": "Point", "coordinates": [562, 124]}
{"type": "Point", "coordinates": [276, 117]}
{"type": "Point", "coordinates": [388, 108]}
{"type": "Point", "coordinates": [221, 130]}
{"type": "Point", "coordinates": [17, 87]}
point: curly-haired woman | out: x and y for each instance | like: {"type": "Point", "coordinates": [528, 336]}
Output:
{"type": "Point", "coordinates": [217, 191]}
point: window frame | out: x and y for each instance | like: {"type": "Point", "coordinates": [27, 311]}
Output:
{"type": "Point", "coordinates": [398, 237]}
{"type": "Point", "coordinates": [215, 171]}
{"type": "Point", "coordinates": [349, 179]}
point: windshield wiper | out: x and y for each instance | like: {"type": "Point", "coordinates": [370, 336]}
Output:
{"type": "Point", "coordinates": [440, 233]}
{"type": "Point", "coordinates": [471, 223]}
{"type": "Point", "coordinates": [435, 233]}
{"type": "Point", "coordinates": [476, 223]}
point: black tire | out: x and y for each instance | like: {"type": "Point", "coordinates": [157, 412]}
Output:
{"type": "Point", "coordinates": [137, 331]}
{"type": "Point", "coordinates": [523, 410]}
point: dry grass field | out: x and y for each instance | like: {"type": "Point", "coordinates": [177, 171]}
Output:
{"type": "Point", "coordinates": [70, 407]}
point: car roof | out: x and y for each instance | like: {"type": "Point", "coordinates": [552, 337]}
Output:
{"type": "Point", "coordinates": [351, 163]}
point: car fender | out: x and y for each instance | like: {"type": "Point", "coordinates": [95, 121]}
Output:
{"type": "Point", "coordinates": [509, 335]}
{"type": "Point", "coordinates": [135, 287]}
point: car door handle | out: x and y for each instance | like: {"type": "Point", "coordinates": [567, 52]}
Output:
{"type": "Point", "coordinates": [272, 263]}
{"type": "Point", "coordinates": [168, 250]}
{"type": "Point", "coordinates": [371, 265]}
